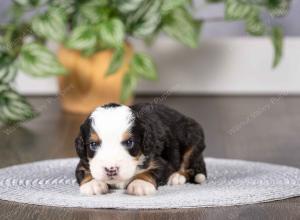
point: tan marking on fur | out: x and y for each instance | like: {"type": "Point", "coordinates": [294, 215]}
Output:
{"type": "Point", "coordinates": [86, 179]}
{"type": "Point", "coordinates": [87, 175]}
{"type": "Point", "coordinates": [152, 165]}
{"type": "Point", "coordinates": [185, 162]}
{"type": "Point", "coordinates": [94, 137]}
{"type": "Point", "coordinates": [146, 176]}
{"type": "Point", "coordinates": [126, 135]}
{"type": "Point", "coordinates": [137, 157]}
{"type": "Point", "coordinates": [184, 173]}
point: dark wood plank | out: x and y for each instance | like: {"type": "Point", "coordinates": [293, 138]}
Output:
{"type": "Point", "coordinates": [266, 129]}
{"type": "Point", "coordinates": [286, 209]}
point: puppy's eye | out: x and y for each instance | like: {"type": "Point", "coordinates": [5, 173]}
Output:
{"type": "Point", "coordinates": [128, 143]}
{"type": "Point", "coordinates": [93, 146]}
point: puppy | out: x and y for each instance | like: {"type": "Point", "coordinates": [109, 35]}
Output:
{"type": "Point", "coordinates": [138, 148]}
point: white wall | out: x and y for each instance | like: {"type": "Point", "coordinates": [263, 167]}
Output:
{"type": "Point", "coordinates": [219, 66]}
{"type": "Point", "coordinates": [230, 66]}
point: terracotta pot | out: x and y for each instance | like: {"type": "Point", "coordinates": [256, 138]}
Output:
{"type": "Point", "coordinates": [86, 87]}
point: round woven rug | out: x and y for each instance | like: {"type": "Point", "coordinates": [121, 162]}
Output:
{"type": "Point", "coordinates": [230, 182]}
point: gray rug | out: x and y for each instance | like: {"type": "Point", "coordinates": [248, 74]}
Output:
{"type": "Point", "coordinates": [230, 182]}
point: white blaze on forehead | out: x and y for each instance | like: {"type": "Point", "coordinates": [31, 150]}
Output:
{"type": "Point", "coordinates": [110, 124]}
{"type": "Point", "coordinates": [112, 120]}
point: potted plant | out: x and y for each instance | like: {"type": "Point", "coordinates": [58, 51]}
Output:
{"type": "Point", "coordinates": [94, 53]}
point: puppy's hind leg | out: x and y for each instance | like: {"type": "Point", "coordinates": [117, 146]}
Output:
{"type": "Point", "coordinates": [199, 170]}
{"type": "Point", "coordinates": [193, 166]}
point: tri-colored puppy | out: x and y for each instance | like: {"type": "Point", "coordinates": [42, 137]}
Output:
{"type": "Point", "coordinates": [138, 148]}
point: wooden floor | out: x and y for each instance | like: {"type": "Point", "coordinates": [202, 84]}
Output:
{"type": "Point", "coordinates": [251, 128]}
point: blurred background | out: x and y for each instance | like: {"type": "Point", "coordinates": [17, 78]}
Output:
{"type": "Point", "coordinates": [232, 65]}
{"type": "Point", "coordinates": [227, 60]}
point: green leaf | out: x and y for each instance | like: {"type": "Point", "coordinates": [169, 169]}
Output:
{"type": "Point", "coordinates": [22, 2]}
{"type": "Point", "coordinates": [12, 39]}
{"type": "Point", "coordinates": [112, 33]}
{"type": "Point", "coordinates": [8, 73]}
{"type": "Point", "coordinates": [169, 5]}
{"type": "Point", "coordinates": [8, 70]}
{"type": "Point", "coordinates": [278, 8]}
{"type": "Point", "coordinates": [37, 60]}
{"type": "Point", "coordinates": [180, 25]}
{"type": "Point", "coordinates": [82, 38]}
{"type": "Point", "coordinates": [147, 19]}
{"type": "Point", "coordinates": [27, 3]}
{"type": "Point", "coordinates": [13, 107]}
{"type": "Point", "coordinates": [51, 25]}
{"type": "Point", "coordinates": [254, 26]}
{"type": "Point", "coordinates": [143, 66]}
{"type": "Point", "coordinates": [277, 40]}
{"type": "Point", "coordinates": [3, 47]}
{"type": "Point", "coordinates": [67, 6]}
{"type": "Point", "coordinates": [128, 6]}
{"type": "Point", "coordinates": [135, 17]}
{"type": "Point", "coordinates": [93, 12]}
{"type": "Point", "coordinates": [128, 85]}
{"type": "Point", "coordinates": [237, 10]}
{"type": "Point", "coordinates": [3, 88]}
{"type": "Point", "coordinates": [116, 62]}
{"type": "Point", "coordinates": [150, 39]}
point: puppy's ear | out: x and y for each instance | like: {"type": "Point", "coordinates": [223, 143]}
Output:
{"type": "Point", "coordinates": [80, 141]}
{"type": "Point", "coordinates": [80, 147]}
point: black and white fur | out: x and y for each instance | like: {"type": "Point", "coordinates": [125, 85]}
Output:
{"type": "Point", "coordinates": [138, 148]}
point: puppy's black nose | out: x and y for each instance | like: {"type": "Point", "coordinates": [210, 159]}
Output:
{"type": "Point", "coordinates": [111, 171]}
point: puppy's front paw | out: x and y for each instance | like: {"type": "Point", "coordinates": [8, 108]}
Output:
{"type": "Point", "coordinates": [140, 188]}
{"type": "Point", "coordinates": [176, 179]}
{"type": "Point", "coordinates": [93, 187]}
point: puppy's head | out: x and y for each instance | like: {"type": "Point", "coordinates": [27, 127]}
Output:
{"type": "Point", "coordinates": [108, 144]}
